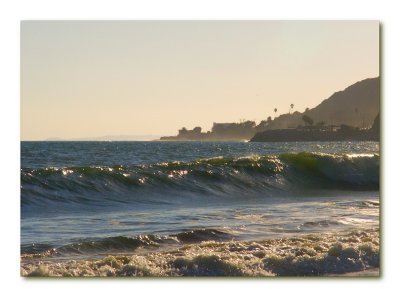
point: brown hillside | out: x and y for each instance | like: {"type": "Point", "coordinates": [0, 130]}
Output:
{"type": "Point", "coordinates": [357, 105]}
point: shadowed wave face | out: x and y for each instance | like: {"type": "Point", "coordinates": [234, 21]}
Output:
{"type": "Point", "coordinates": [161, 203]}
{"type": "Point", "coordinates": [123, 243]}
{"type": "Point", "coordinates": [215, 178]}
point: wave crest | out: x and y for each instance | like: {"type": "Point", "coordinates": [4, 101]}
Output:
{"type": "Point", "coordinates": [216, 177]}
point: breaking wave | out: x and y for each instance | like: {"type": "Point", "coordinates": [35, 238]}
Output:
{"type": "Point", "coordinates": [124, 243]}
{"type": "Point", "coordinates": [309, 255]}
{"type": "Point", "coordinates": [216, 177]}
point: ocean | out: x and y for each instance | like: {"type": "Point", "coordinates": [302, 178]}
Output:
{"type": "Point", "coordinates": [199, 208]}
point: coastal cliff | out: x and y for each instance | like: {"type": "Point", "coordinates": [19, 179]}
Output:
{"type": "Point", "coordinates": [357, 106]}
{"type": "Point", "coordinates": [346, 115]}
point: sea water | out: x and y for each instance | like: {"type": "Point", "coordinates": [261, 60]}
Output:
{"type": "Point", "coordinates": [87, 200]}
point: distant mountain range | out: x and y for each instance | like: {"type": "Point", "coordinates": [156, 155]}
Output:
{"type": "Point", "coordinates": [109, 138]}
{"type": "Point", "coordinates": [357, 106]}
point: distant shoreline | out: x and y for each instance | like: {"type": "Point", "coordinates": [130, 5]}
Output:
{"type": "Point", "coordinates": [293, 135]}
{"type": "Point", "coordinates": [346, 115]}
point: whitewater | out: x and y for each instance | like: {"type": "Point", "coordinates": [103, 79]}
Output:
{"type": "Point", "coordinates": [199, 208]}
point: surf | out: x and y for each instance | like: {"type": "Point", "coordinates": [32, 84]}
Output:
{"type": "Point", "coordinates": [218, 177]}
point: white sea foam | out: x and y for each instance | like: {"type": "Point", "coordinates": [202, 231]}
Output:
{"type": "Point", "coordinates": [315, 255]}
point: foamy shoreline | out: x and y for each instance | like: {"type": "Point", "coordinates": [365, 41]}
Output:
{"type": "Point", "coordinates": [352, 253]}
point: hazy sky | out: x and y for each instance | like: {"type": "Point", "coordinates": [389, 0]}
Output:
{"type": "Point", "coordinates": [86, 79]}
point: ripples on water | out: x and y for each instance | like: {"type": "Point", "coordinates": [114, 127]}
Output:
{"type": "Point", "coordinates": [92, 197]}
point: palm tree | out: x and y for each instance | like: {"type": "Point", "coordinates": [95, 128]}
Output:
{"type": "Point", "coordinates": [275, 111]}
{"type": "Point", "coordinates": [291, 107]}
